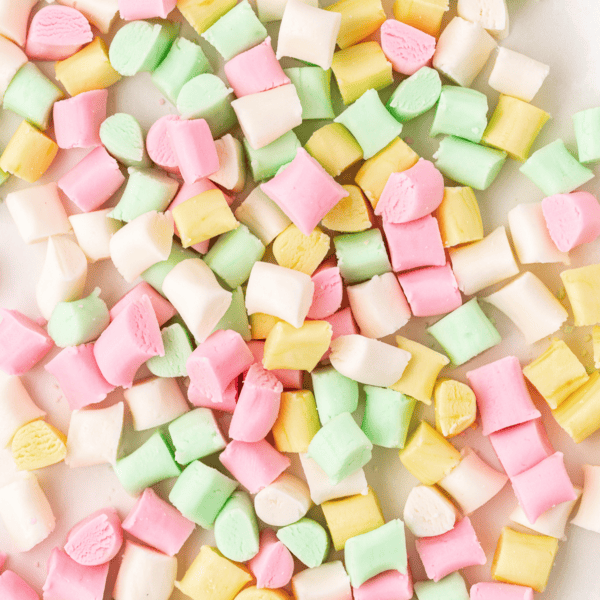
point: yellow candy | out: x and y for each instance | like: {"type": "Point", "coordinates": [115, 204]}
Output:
{"type": "Point", "coordinates": [524, 558]}
{"type": "Point", "coordinates": [429, 456]}
{"type": "Point", "coordinates": [514, 126]}
{"type": "Point", "coordinates": [213, 577]}
{"type": "Point", "coordinates": [350, 214]}
{"type": "Point", "coordinates": [360, 68]}
{"type": "Point", "coordinates": [425, 15]}
{"type": "Point", "coordinates": [294, 250]}
{"type": "Point", "coordinates": [352, 516]}
{"type": "Point", "coordinates": [455, 407]}
{"type": "Point", "coordinates": [38, 445]}
{"type": "Point", "coordinates": [89, 69]}
{"type": "Point", "coordinates": [289, 348]}
{"type": "Point", "coordinates": [203, 217]}
{"type": "Point", "coordinates": [261, 325]}
{"type": "Point", "coordinates": [297, 422]}
{"type": "Point", "coordinates": [421, 372]}
{"type": "Point", "coordinates": [335, 148]}
{"type": "Point", "coordinates": [29, 153]}
{"type": "Point", "coordinates": [360, 18]}
{"type": "Point", "coordinates": [583, 289]}
{"type": "Point", "coordinates": [253, 593]}
{"type": "Point", "coordinates": [459, 217]}
{"type": "Point", "coordinates": [201, 14]}
{"type": "Point", "coordinates": [557, 373]}
{"type": "Point", "coordinates": [596, 345]}
{"type": "Point", "coordinates": [579, 414]}
{"type": "Point", "coordinates": [373, 175]}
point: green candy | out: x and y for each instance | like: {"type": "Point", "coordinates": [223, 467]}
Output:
{"type": "Point", "coordinates": [587, 132]}
{"type": "Point", "coordinates": [265, 162]}
{"type": "Point", "coordinates": [313, 85]}
{"type": "Point", "coordinates": [334, 393]}
{"type": "Point", "coordinates": [306, 540]}
{"type": "Point", "coordinates": [178, 347]}
{"type": "Point", "coordinates": [236, 317]}
{"type": "Point", "coordinates": [361, 255]}
{"type": "Point", "coordinates": [415, 95]}
{"type": "Point", "coordinates": [152, 462]}
{"type": "Point", "coordinates": [3, 176]}
{"type": "Point", "coordinates": [468, 163]}
{"type": "Point", "coordinates": [372, 553]}
{"type": "Point", "coordinates": [555, 170]}
{"type": "Point", "coordinates": [370, 123]}
{"type": "Point", "coordinates": [184, 61]}
{"type": "Point", "coordinates": [452, 587]}
{"type": "Point", "coordinates": [387, 416]}
{"type": "Point", "coordinates": [80, 321]}
{"type": "Point", "coordinates": [236, 31]}
{"type": "Point", "coordinates": [123, 137]}
{"type": "Point", "coordinates": [32, 95]}
{"type": "Point", "coordinates": [465, 333]}
{"type": "Point", "coordinates": [236, 528]}
{"type": "Point", "coordinates": [155, 275]}
{"type": "Point", "coordinates": [200, 492]}
{"type": "Point", "coordinates": [461, 112]}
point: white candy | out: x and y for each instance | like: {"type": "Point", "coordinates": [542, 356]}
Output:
{"type": "Point", "coordinates": [379, 306]}
{"type": "Point", "coordinates": [63, 274]}
{"type": "Point", "coordinates": [16, 408]}
{"type": "Point", "coordinates": [100, 13]}
{"type": "Point", "coordinates": [283, 502]}
{"type": "Point", "coordinates": [531, 238]}
{"type": "Point", "coordinates": [262, 216]}
{"type": "Point", "coordinates": [142, 243]}
{"type": "Point", "coordinates": [14, 16]}
{"type": "Point", "coordinates": [462, 51]}
{"type": "Point", "coordinates": [145, 573]}
{"type": "Point", "coordinates": [472, 482]}
{"type": "Point", "coordinates": [38, 212]}
{"type": "Point", "coordinates": [12, 58]}
{"type": "Point", "coordinates": [428, 512]}
{"type": "Point", "coordinates": [154, 402]}
{"type": "Point", "coordinates": [232, 172]}
{"type": "Point", "coordinates": [26, 512]}
{"type": "Point", "coordinates": [93, 231]}
{"type": "Point", "coordinates": [588, 515]}
{"type": "Point", "coordinates": [279, 292]}
{"type": "Point", "coordinates": [94, 436]}
{"type": "Point", "coordinates": [490, 14]}
{"type": "Point", "coordinates": [484, 263]}
{"type": "Point", "coordinates": [368, 361]}
{"type": "Point", "coordinates": [553, 522]}
{"type": "Point", "coordinates": [531, 306]}
{"type": "Point", "coordinates": [272, 10]}
{"type": "Point", "coordinates": [192, 288]}
{"type": "Point", "coordinates": [327, 582]}
{"type": "Point", "coordinates": [308, 33]}
{"type": "Point", "coordinates": [517, 75]}
{"type": "Point", "coordinates": [266, 116]}
{"type": "Point", "coordinates": [321, 488]}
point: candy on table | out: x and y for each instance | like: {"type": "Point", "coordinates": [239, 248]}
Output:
{"type": "Point", "coordinates": [461, 112]}
{"type": "Point", "coordinates": [313, 86]}
{"type": "Point", "coordinates": [451, 587]}
{"type": "Point", "coordinates": [302, 252]}
{"type": "Point", "coordinates": [195, 435]}
{"type": "Point", "coordinates": [163, 309]}
{"type": "Point", "coordinates": [500, 591]}
{"type": "Point", "coordinates": [582, 287]}
{"type": "Point", "coordinates": [351, 214]}
{"type": "Point", "coordinates": [267, 161]}
{"type": "Point", "coordinates": [586, 124]}
{"type": "Point", "coordinates": [425, 15]}
{"type": "Point", "coordinates": [100, 13]}
{"type": "Point", "coordinates": [307, 540]}
{"type": "Point", "coordinates": [232, 168]}
{"type": "Point", "coordinates": [415, 95]}
{"type": "Point", "coordinates": [362, 255]}
{"type": "Point", "coordinates": [588, 516]}
{"type": "Point", "coordinates": [159, 147]}
{"type": "Point", "coordinates": [130, 10]}
{"type": "Point", "coordinates": [359, 20]}
{"type": "Point", "coordinates": [455, 407]}
{"type": "Point", "coordinates": [290, 378]}
{"type": "Point", "coordinates": [407, 48]}
{"type": "Point", "coordinates": [283, 502]}
{"type": "Point", "coordinates": [335, 148]}
{"type": "Point", "coordinates": [122, 135]}
{"type": "Point", "coordinates": [329, 290]}
{"type": "Point", "coordinates": [330, 580]}
{"type": "Point", "coordinates": [201, 14]}
{"type": "Point", "coordinates": [458, 217]}
{"type": "Point", "coordinates": [236, 318]}
{"type": "Point", "coordinates": [427, 512]}
{"type": "Point", "coordinates": [273, 566]}
{"type": "Point", "coordinates": [12, 587]}
{"type": "Point", "coordinates": [334, 393]}
{"type": "Point", "coordinates": [297, 422]}
{"type": "Point", "coordinates": [389, 585]}
{"type": "Point", "coordinates": [524, 559]}
{"type": "Point", "coordinates": [236, 528]}
{"type": "Point", "coordinates": [13, 58]}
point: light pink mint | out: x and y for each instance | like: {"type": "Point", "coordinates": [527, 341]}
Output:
{"type": "Point", "coordinates": [163, 309]}
{"type": "Point", "coordinates": [342, 323]}
{"type": "Point", "coordinates": [273, 566]}
{"type": "Point", "coordinates": [158, 145]}
{"type": "Point", "coordinates": [12, 587]}
{"type": "Point", "coordinates": [389, 585]}
{"type": "Point", "coordinates": [328, 294]}
{"type": "Point", "coordinates": [407, 48]}
{"type": "Point", "coordinates": [227, 404]}
{"type": "Point", "coordinates": [291, 379]}
{"type": "Point", "coordinates": [500, 591]}
{"type": "Point", "coordinates": [132, 10]}
{"type": "Point", "coordinates": [77, 120]}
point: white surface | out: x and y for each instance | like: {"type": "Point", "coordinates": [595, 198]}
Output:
{"type": "Point", "coordinates": [561, 33]}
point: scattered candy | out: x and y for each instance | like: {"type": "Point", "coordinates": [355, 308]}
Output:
{"type": "Point", "coordinates": [452, 586]}
{"type": "Point", "coordinates": [587, 515]}
{"type": "Point", "coordinates": [455, 407]}
{"type": "Point", "coordinates": [236, 528]}
{"type": "Point", "coordinates": [273, 566]}
{"type": "Point", "coordinates": [428, 513]}
{"type": "Point", "coordinates": [426, 15]}
{"type": "Point", "coordinates": [38, 445]}
{"type": "Point", "coordinates": [297, 422]}
{"type": "Point", "coordinates": [327, 581]}
{"type": "Point", "coordinates": [494, 18]}
{"type": "Point", "coordinates": [461, 112]}
{"type": "Point", "coordinates": [93, 231]}
{"type": "Point", "coordinates": [283, 502]}
{"type": "Point", "coordinates": [306, 540]}
{"type": "Point", "coordinates": [458, 217]}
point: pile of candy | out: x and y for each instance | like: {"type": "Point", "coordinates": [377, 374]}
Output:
{"type": "Point", "coordinates": [246, 313]}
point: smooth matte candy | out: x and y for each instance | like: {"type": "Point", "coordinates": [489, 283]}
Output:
{"type": "Point", "coordinates": [461, 112]}
{"type": "Point", "coordinates": [273, 566]}
{"type": "Point", "coordinates": [587, 129]}
{"type": "Point", "coordinates": [163, 309]}
{"type": "Point", "coordinates": [313, 86]}
{"type": "Point", "coordinates": [455, 407]}
{"type": "Point", "coordinates": [12, 587]}
{"type": "Point", "coordinates": [297, 422]}
{"type": "Point", "coordinates": [195, 435]}
{"type": "Point", "coordinates": [236, 528]}
{"type": "Point", "coordinates": [517, 75]}
{"type": "Point", "coordinates": [415, 95]}
{"type": "Point", "coordinates": [159, 146]}
{"type": "Point", "coordinates": [77, 120]}
{"type": "Point", "coordinates": [407, 48]}
{"type": "Point", "coordinates": [426, 15]}
{"type": "Point", "coordinates": [582, 287]}
{"type": "Point", "coordinates": [37, 445]}
{"type": "Point", "coordinates": [178, 347]}
{"type": "Point", "coordinates": [500, 591]}
{"type": "Point", "coordinates": [350, 214]}
{"type": "Point", "coordinates": [236, 317]}
{"type": "Point", "coordinates": [334, 393]}
{"type": "Point", "coordinates": [13, 59]}
{"type": "Point", "coordinates": [266, 161]}
{"type": "Point", "coordinates": [335, 148]}
{"type": "Point", "coordinates": [360, 18]}
{"type": "Point", "coordinates": [307, 541]}
{"type": "Point", "coordinates": [294, 250]}
{"type": "Point", "coordinates": [362, 255]}
{"type": "Point", "coordinates": [459, 217]}
{"type": "Point", "coordinates": [451, 587]}
{"type": "Point", "coordinates": [122, 135]}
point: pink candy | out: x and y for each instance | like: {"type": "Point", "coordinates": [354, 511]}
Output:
{"type": "Point", "coordinates": [407, 48]}
{"type": "Point", "coordinates": [163, 309]}
{"type": "Point", "coordinates": [12, 587]}
{"type": "Point", "coordinates": [342, 323]}
{"type": "Point", "coordinates": [328, 294]}
{"type": "Point", "coordinates": [273, 566]}
{"type": "Point", "coordinates": [132, 10]}
{"type": "Point", "coordinates": [227, 404]}
{"type": "Point", "coordinates": [290, 378]}
{"type": "Point", "coordinates": [389, 585]}
{"type": "Point", "coordinates": [500, 591]}
{"type": "Point", "coordinates": [77, 120]}
{"type": "Point", "coordinates": [158, 145]}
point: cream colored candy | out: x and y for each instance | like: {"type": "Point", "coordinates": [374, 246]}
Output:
{"type": "Point", "coordinates": [14, 16]}
{"type": "Point", "coordinates": [428, 512]}
{"type": "Point", "coordinates": [63, 275]}
{"type": "Point", "coordinates": [272, 10]}
{"type": "Point", "coordinates": [531, 306]}
{"type": "Point", "coordinates": [142, 243]}
{"type": "Point", "coordinates": [283, 502]}
{"type": "Point", "coordinates": [492, 15]}
{"type": "Point", "coordinates": [327, 582]}
{"type": "Point", "coordinates": [100, 13]}
{"type": "Point", "coordinates": [93, 231]}
{"type": "Point", "coordinates": [232, 166]}
{"type": "Point", "coordinates": [12, 58]}
{"type": "Point", "coordinates": [588, 515]}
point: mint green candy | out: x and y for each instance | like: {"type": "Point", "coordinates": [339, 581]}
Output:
{"type": "Point", "coordinates": [184, 61]}
{"type": "Point", "coordinates": [32, 95]}
{"type": "Point", "coordinates": [370, 123]}
{"type": "Point", "coordinates": [266, 161]}
{"type": "Point", "coordinates": [123, 137]}
{"type": "Point", "coordinates": [313, 85]}
{"type": "Point", "coordinates": [236, 31]}
{"type": "Point", "coordinates": [587, 132]}
{"type": "Point", "coordinates": [372, 553]}
{"type": "Point", "coordinates": [452, 587]}
{"type": "Point", "coordinates": [465, 332]}
{"type": "Point", "coordinates": [78, 322]}
{"type": "Point", "coordinates": [200, 492]}
{"type": "Point", "coordinates": [340, 448]}
{"type": "Point", "coordinates": [555, 170]}
{"type": "Point", "coordinates": [361, 255]}
{"type": "Point", "coordinates": [461, 112]}
{"type": "Point", "coordinates": [307, 541]}
{"type": "Point", "coordinates": [155, 275]}
{"type": "Point", "coordinates": [415, 95]}
{"type": "Point", "coordinates": [195, 435]}
{"type": "Point", "coordinates": [236, 317]}
{"type": "Point", "coordinates": [3, 176]}
{"type": "Point", "coordinates": [236, 528]}
{"type": "Point", "coordinates": [146, 190]}
{"type": "Point", "coordinates": [468, 163]}
{"type": "Point", "coordinates": [178, 347]}
{"type": "Point", "coordinates": [387, 416]}
{"type": "Point", "coordinates": [152, 462]}
{"type": "Point", "coordinates": [334, 393]}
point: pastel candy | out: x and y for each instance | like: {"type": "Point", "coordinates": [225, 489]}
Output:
{"type": "Point", "coordinates": [334, 393]}
{"type": "Point", "coordinates": [93, 231]}
{"type": "Point", "coordinates": [272, 10]}
{"type": "Point", "coordinates": [236, 528]}
{"type": "Point", "coordinates": [428, 512]}
{"type": "Point", "coordinates": [461, 112]}
{"type": "Point", "coordinates": [232, 168]}
{"type": "Point", "coordinates": [389, 585]}
{"type": "Point", "coordinates": [452, 586]}
{"type": "Point", "coordinates": [254, 593]}
{"type": "Point", "coordinates": [587, 516]}
{"type": "Point", "coordinates": [500, 591]}
{"type": "Point", "coordinates": [283, 502]}
{"type": "Point", "coordinates": [297, 422]}
{"type": "Point", "coordinates": [130, 10]}
{"type": "Point", "coordinates": [581, 285]}
{"type": "Point", "coordinates": [327, 581]}
{"type": "Point", "coordinates": [359, 20]}
{"type": "Point", "coordinates": [350, 214]}
{"type": "Point", "coordinates": [163, 309]}
{"type": "Point", "coordinates": [586, 124]}
{"type": "Point", "coordinates": [195, 435]}
{"type": "Point", "coordinates": [158, 144]}
{"type": "Point", "coordinates": [361, 256]}
{"type": "Point", "coordinates": [273, 566]}
{"type": "Point", "coordinates": [327, 297]}
{"type": "Point", "coordinates": [494, 19]}
{"type": "Point", "coordinates": [13, 58]}
{"type": "Point", "coordinates": [290, 378]}
{"type": "Point", "coordinates": [295, 250]}
{"type": "Point", "coordinates": [455, 407]}
{"type": "Point", "coordinates": [407, 48]}
{"type": "Point", "coordinates": [415, 95]}
{"type": "Point", "coordinates": [306, 540]}
{"type": "Point", "coordinates": [426, 15]}
{"type": "Point", "coordinates": [12, 587]}
{"type": "Point", "coordinates": [100, 13]}
{"type": "Point", "coordinates": [268, 160]}
{"type": "Point", "coordinates": [236, 318]}
{"type": "Point", "coordinates": [459, 217]}
{"type": "Point", "coordinates": [37, 445]}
